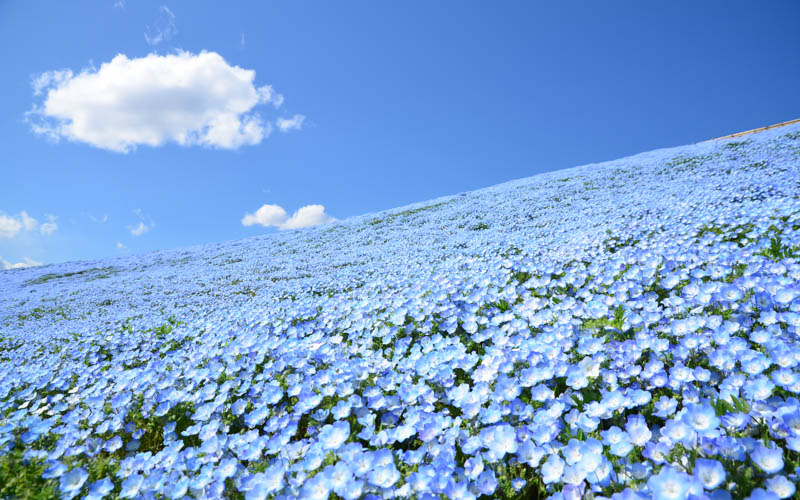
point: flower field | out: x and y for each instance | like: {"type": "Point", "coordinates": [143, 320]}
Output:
{"type": "Point", "coordinates": [624, 330]}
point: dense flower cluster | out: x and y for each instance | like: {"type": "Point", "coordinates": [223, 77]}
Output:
{"type": "Point", "coordinates": [622, 330]}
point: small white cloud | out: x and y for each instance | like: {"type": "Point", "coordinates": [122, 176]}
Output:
{"type": "Point", "coordinates": [99, 220]}
{"type": "Point", "coordinates": [119, 4]}
{"type": "Point", "coordinates": [120, 246]}
{"type": "Point", "coordinates": [310, 215]}
{"type": "Point", "coordinates": [184, 98]}
{"type": "Point", "coordinates": [27, 262]}
{"type": "Point", "coordinates": [139, 229]}
{"type": "Point", "coordinates": [267, 215]}
{"type": "Point", "coordinates": [50, 226]}
{"type": "Point", "coordinates": [293, 123]}
{"type": "Point", "coordinates": [145, 223]}
{"type": "Point", "coordinates": [163, 28]}
{"type": "Point", "coordinates": [276, 216]}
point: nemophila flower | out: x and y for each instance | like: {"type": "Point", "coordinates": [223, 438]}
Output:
{"type": "Point", "coordinates": [458, 491]}
{"type": "Point", "coordinates": [333, 436]}
{"type": "Point", "coordinates": [730, 448]}
{"type": "Point", "coordinates": [226, 469]}
{"type": "Point", "coordinates": [179, 488]}
{"type": "Point", "coordinates": [99, 489]}
{"type": "Point", "coordinates": [638, 431]}
{"type": "Point", "coordinates": [736, 421]}
{"type": "Point", "coordinates": [669, 484]}
{"type": "Point", "coordinates": [71, 482]}
{"type": "Point", "coordinates": [384, 476]}
{"type": "Point", "coordinates": [762, 494]}
{"type": "Point", "coordinates": [131, 485]}
{"type": "Point", "coordinates": [656, 452]}
{"type": "Point", "coordinates": [710, 472]}
{"type": "Point", "coordinates": [781, 486]}
{"type": "Point", "coordinates": [552, 469]}
{"type": "Point", "coordinates": [315, 488]}
{"type": "Point", "coordinates": [759, 388]}
{"type": "Point", "coordinates": [573, 451]}
{"type": "Point", "coordinates": [702, 418]}
{"type": "Point", "coordinates": [770, 460]}
{"type": "Point", "coordinates": [473, 466]}
{"type": "Point", "coordinates": [54, 470]}
{"type": "Point", "coordinates": [618, 441]}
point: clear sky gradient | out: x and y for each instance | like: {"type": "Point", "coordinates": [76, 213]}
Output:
{"type": "Point", "coordinates": [402, 102]}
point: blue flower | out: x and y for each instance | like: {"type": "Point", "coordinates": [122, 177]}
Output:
{"type": "Point", "coordinates": [770, 460]}
{"type": "Point", "coordinates": [669, 484]}
{"type": "Point", "coordinates": [762, 494]}
{"type": "Point", "coordinates": [131, 485]}
{"type": "Point", "coordinates": [72, 481]}
{"type": "Point", "coordinates": [710, 472]}
{"type": "Point", "coordinates": [552, 469]}
{"type": "Point", "coordinates": [702, 418]}
{"type": "Point", "coordinates": [333, 436]}
{"type": "Point", "coordinates": [384, 475]}
{"type": "Point", "coordinates": [781, 486]}
{"type": "Point", "coordinates": [486, 482]}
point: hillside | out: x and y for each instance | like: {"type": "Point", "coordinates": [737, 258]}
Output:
{"type": "Point", "coordinates": [627, 328]}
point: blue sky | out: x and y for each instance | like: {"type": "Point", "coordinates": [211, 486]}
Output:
{"type": "Point", "coordinates": [183, 123]}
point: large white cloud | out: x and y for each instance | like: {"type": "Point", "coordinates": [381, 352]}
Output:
{"type": "Point", "coordinates": [184, 98]}
{"type": "Point", "coordinates": [276, 216]}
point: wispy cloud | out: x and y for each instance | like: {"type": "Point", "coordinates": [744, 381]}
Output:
{"type": "Point", "coordinates": [276, 216]}
{"type": "Point", "coordinates": [119, 4]}
{"type": "Point", "coordinates": [293, 123]}
{"type": "Point", "coordinates": [145, 223]}
{"type": "Point", "coordinates": [50, 226]}
{"type": "Point", "coordinates": [242, 41]}
{"type": "Point", "coordinates": [184, 98]}
{"type": "Point", "coordinates": [163, 28]}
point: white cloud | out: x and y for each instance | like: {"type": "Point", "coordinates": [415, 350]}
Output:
{"type": "Point", "coordinates": [310, 215]}
{"type": "Point", "coordinates": [120, 246]}
{"type": "Point", "coordinates": [50, 79]}
{"type": "Point", "coordinates": [139, 229]}
{"type": "Point", "coordinates": [27, 221]}
{"type": "Point", "coordinates": [276, 216]}
{"type": "Point", "coordinates": [293, 123]}
{"type": "Point", "coordinates": [11, 226]}
{"type": "Point", "coordinates": [267, 215]}
{"type": "Point", "coordinates": [99, 220]}
{"type": "Point", "coordinates": [50, 226]}
{"type": "Point", "coordinates": [119, 4]}
{"type": "Point", "coordinates": [27, 262]}
{"type": "Point", "coordinates": [184, 98]}
{"type": "Point", "coordinates": [163, 28]}
{"type": "Point", "coordinates": [145, 223]}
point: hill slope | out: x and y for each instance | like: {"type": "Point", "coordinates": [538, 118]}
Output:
{"type": "Point", "coordinates": [625, 326]}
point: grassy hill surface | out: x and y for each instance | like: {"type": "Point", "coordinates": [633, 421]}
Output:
{"type": "Point", "coordinates": [626, 329]}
